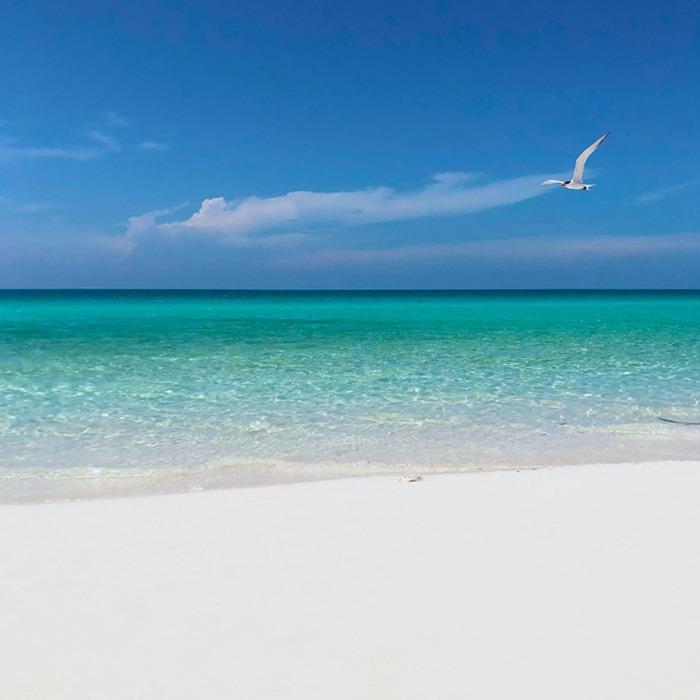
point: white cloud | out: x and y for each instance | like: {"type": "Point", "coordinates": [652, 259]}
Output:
{"type": "Point", "coordinates": [250, 221]}
{"type": "Point", "coordinates": [531, 248]}
{"type": "Point", "coordinates": [137, 226]}
{"type": "Point", "coordinates": [104, 143]}
{"type": "Point", "coordinates": [9, 152]}
{"type": "Point", "coordinates": [658, 195]}
{"type": "Point", "coordinates": [154, 146]}
{"type": "Point", "coordinates": [104, 140]}
{"type": "Point", "coordinates": [15, 207]}
{"type": "Point", "coordinates": [114, 119]}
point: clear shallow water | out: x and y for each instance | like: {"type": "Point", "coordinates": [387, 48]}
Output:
{"type": "Point", "coordinates": [109, 384]}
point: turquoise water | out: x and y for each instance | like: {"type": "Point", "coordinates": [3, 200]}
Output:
{"type": "Point", "coordinates": [111, 383]}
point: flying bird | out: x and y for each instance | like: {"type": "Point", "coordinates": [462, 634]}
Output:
{"type": "Point", "coordinates": [576, 182]}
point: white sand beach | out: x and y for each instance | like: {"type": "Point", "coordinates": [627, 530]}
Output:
{"type": "Point", "coordinates": [571, 582]}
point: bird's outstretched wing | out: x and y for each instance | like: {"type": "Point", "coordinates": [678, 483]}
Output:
{"type": "Point", "coordinates": [551, 182]}
{"type": "Point", "coordinates": [581, 160]}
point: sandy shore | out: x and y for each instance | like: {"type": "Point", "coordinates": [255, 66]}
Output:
{"type": "Point", "coordinates": [576, 582]}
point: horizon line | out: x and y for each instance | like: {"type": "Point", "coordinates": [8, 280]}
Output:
{"type": "Point", "coordinates": [349, 289]}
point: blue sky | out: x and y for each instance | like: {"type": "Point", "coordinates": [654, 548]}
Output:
{"type": "Point", "coordinates": [319, 144]}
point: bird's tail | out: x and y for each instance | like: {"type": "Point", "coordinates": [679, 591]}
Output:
{"type": "Point", "coordinates": [551, 182]}
{"type": "Point", "coordinates": [588, 187]}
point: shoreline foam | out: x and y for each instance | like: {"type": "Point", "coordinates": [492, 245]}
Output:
{"type": "Point", "coordinates": [69, 487]}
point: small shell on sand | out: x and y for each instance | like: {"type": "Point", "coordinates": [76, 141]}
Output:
{"type": "Point", "coordinates": [411, 478]}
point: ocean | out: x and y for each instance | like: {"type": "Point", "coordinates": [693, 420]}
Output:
{"type": "Point", "coordinates": [195, 388]}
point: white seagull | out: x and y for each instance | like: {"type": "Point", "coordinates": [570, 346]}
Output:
{"type": "Point", "coordinates": [576, 182]}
